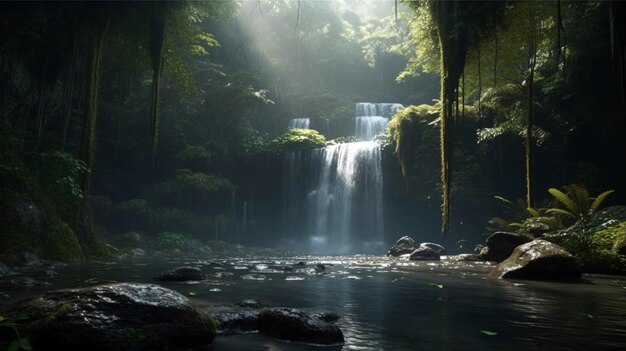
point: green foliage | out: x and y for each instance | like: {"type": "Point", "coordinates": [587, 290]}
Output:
{"type": "Point", "coordinates": [298, 139]}
{"type": "Point", "coordinates": [408, 127]}
{"type": "Point", "coordinates": [173, 241]}
{"type": "Point", "coordinates": [30, 220]}
{"type": "Point", "coordinates": [577, 201]}
{"type": "Point", "coordinates": [197, 158]}
{"type": "Point", "coordinates": [133, 214]}
{"type": "Point", "coordinates": [20, 343]}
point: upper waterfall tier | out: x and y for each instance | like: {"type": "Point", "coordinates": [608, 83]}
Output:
{"type": "Point", "coordinates": [369, 127]}
{"type": "Point", "coordinates": [299, 123]}
{"type": "Point", "coordinates": [376, 109]}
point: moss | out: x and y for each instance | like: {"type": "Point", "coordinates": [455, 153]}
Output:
{"type": "Point", "coordinates": [607, 239]}
{"type": "Point", "coordinates": [59, 312]}
{"type": "Point", "coordinates": [297, 139]}
{"type": "Point", "coordinates": [601, 261]}
{"type": "Point", "coordinates": [30, 221]}
{"type": "Point", "coordinates": [132, 338]}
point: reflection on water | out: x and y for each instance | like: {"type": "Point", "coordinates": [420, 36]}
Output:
{"type": "Point", "coordinates": [389, 304]}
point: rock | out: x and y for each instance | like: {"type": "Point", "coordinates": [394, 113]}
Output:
{"type": "Point", "coordinates": [540, 260]}
{"type": "Point", "coordinates": [424, 253]}
{"type": "Point", "coordinates": [138, 252]}
{"type": "Point", "coordinates": [537, 225]}
{"type": "Point", "coordinates": [4, 270]}
{"type": "Point", "coordinates": [234, 320]}
{"type": "Point", "coordinates": [24, 282]}
{"type": "Point", "coordinates": [223, 274]}
{"type": "Point", "coordinates": [181, 274]}
{"type": "Point", "coordinates": [294, 325]}
{"type": "Point", "coordinates": [127, 240]}
{"type": "Point", "coordinates": [123, 316]}
{"type": "Point", "coordinates": [404, 245]}
{"type": "Point", "coordinates": [435, 247]}
{"type": "Point", "coordinates": [31, 259]}
{"type": "Point", "coordinates": [500, 245]}
{"type": "Point", "coordinates": [328, 317]}
{"type": "Point", "coordinates": [301, 264]}
{"type": "Point", "coordinates": [320, 268]}
{"type": "Point", "coordinates": [250, 303]}
{"type": "Point", "coordinates": [465, 257]}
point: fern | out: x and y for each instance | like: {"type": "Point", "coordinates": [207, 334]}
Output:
{"type": "Point", "coordinates": [567, 201]}
{"type": "Point", "coordinates": [561, 212]}
{"type": "Point", "coordinates": [598, 200]}
{"type": "Point", "coordinates": [533, 212]}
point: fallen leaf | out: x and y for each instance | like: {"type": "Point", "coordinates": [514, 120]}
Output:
{"type": "Point", "coordinates": [489, 332]}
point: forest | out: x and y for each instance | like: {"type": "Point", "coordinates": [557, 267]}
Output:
{"type": "Point", "coordinates": [312, 154]}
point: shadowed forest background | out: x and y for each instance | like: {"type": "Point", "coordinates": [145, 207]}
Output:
{"type": "Point", "coordinates": [169, 118]}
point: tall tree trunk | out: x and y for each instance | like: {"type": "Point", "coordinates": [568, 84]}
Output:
{"type": "Point", "coordinates": [42, 96]}
{"type": "Point", "coordinates": [452, 37]}
{"type": "Point", "coordinates": [88, 145]}
{"type": "Point", "coordinates": [480, 84]}
{"type": "Point", "coordinates": [495, 58]}
{"type": "Point", "coordinates": [157, 41]}
{"type": "Point", "coordinates": [70, 90]}
{"type": "Point", "coordinates": [532, 59]}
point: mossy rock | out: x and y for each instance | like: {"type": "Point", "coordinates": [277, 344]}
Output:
{"type": "Point", "coordinates": [30, 221]}
{"type": "Point", "coordinates": [602, 261]}
{"type": "Point", "coordinates": [110, 317]}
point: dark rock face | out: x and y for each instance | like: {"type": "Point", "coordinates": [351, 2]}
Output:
{"type": "Point", "coordinates": [404, 245]}
{"type": "Point", "coordinates": [4, 270]}
{"type": "Point", "coordinates": [539, 260]}
{"type": "Point", "coordinates": [500, 245]}
{"type": "Point", "coordinates": [111, 317]}
{"type": "Point", "coordinates": [234, 320]}
{"type": "Point", "coordinates": [181, 274]}
{"type": "Point", "coordinates": [294, 325]}
{"type": "Point", "coordinates": [424, 253]}
{"type": "Point", "coordinates": [435, 247]}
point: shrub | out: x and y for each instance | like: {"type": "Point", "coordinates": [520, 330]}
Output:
{"type": "Point", "coordinates": [298, 139]}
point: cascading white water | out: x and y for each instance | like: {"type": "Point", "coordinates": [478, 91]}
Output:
{"type": "Point", "coordinates": [299, 123]}
{"type": "Point", "coordinates": [367, 127]}
{"type": "Point", "coordinates": [334, 195]}
{"type": "Point", "coordinates": [377, 109]}
{"type": "Point", "coordinates": [372, 118]}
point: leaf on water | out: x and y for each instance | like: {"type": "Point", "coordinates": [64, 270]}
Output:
{"type": "Point", "coordinates": [3, 294]}
{"type": "Point", "coordinates": [518, 284]}
{"type": "Point", "coordinates": [587, 315]}
{"type": "Point", "coordinates": [91, 281]}
{"type": "Point", "coordinates": [2, 318]}
{"type": "Point", "coordinates": [440, 286]}
{"type": "Point", "coordinates": [489, 332]}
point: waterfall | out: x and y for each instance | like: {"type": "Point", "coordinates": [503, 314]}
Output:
{"type": "Point", "coordinates": [299, 123]}
{"type": "Point", "coordinates": [372, 118]}
{"type": "Point", "coordinates": [333, 196]}
{"type": "Point", "coordinates": [377, 109]}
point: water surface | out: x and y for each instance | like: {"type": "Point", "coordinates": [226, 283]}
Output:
{"type": "Point", "coordinates": [391, 304]}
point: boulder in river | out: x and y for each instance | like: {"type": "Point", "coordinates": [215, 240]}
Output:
{"type": "Point", "coordinates": [425, 253]}
{"type": "Point", "coordinates": [435, 247]}
{"type": "Point", "coordinates": [539, 260]}
{"type": "Point", "coordinates": [124, 316]}
{"type": "Point", "coordinates": [181, 274]}
{"type": "Point", "coordinates": [500, 245]}
{"type": "Point", "coordinates": [404, 245]}
{"type": "Point", "coordinates": [295, 325]}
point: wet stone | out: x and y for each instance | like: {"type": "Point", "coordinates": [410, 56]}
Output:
{"type": "Point", "coordinates": [181, 274]}
{"type": "Point", "coordinates": [122, 316]}
{"type": "Point", "coordinates": [404, 245]}
{"type": "Point", "coordinates": [295, 325]}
